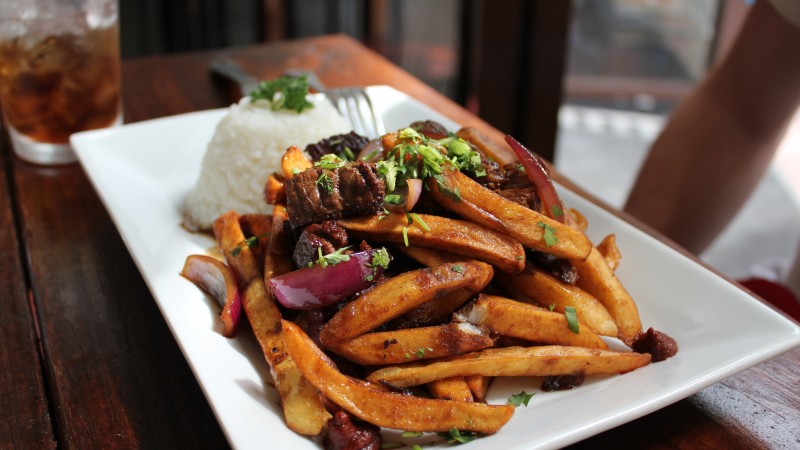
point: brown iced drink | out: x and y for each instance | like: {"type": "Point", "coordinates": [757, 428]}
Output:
{"type": "Point", "coordinates": [61, 84]}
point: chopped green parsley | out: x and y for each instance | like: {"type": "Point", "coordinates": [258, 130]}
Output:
{"type": "Point", "coordinates": [284, 93]}
{"type": "Point", "coordinates": [550, 238]}
{"type": "Point", "coordinates": [572, 319]}
{"type": "Point", "coordinates": [520, 399]}
{"type": "Point", "coordinates": [331, 259]}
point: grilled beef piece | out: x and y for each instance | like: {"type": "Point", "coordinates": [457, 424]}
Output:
{"type": "Point", "coordinates": [336, 145]}
{"type": "Point", "coordinates": [558, 267]}
{"type": "Point", "coordinates": [318, 194]}
{"type": "Point", "coordinates": [327, 235]}
{"type": "Point", "coordinates": [430, 129]}
{"type": "Point", "coordinates": [527, 197]}
{"type": "Point", "coordinates": [345, 433]}
{"type": "Point", "coordinates": [495, 177]}
{"type": "Point", "coordinates": [563, 382]}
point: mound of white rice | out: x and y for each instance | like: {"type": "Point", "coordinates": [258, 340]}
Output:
{"type": "Point", "coordinates": [246, 148]}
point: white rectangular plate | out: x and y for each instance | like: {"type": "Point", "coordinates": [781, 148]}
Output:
{"type": "Point", "coordinates": [143, 172]}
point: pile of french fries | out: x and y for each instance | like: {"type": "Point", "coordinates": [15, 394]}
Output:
{"type": "Point", "coordinates": [467, 325]}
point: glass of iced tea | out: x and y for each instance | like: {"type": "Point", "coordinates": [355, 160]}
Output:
{"type": "Point", "coordinates": [59, 73]}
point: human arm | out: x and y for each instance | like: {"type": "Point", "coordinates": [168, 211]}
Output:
{"type": "Point", "coordinates": [719, 142]}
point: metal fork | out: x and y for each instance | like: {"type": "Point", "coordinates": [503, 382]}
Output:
{"type": "Point", "coordinates": [353, 103]}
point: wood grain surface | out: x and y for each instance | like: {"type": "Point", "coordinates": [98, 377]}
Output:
{"type": "Point", "coordinates": [110, 374]}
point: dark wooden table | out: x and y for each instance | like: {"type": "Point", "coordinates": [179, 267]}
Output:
{"type": "Point", "coordinates": [88, 362]}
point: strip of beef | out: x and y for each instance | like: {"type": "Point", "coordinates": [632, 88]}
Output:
{"type": "Point", "coordinates": [337, 144]}
{"type": "Point", "coordinates": [495, 177]}
{"type": "Point", "coordinates": [558, 267]}
{"type": "Point", "coordinates": [327, 235]}
{"type": "Point", "coordinates": [345, 433]}
{"type": "Point", "coordinates": [430, 129]}
{"type": "Point", "coordinates": [317, 194]}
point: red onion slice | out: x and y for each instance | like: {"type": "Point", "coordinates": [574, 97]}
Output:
{"type": "Point", "coordinates": [216, 279]}
{"type": "Point", "coordinates": [318, 286]}
{"type": "Point", "coordinates": [537, 173]}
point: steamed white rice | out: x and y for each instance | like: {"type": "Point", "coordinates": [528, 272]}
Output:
{"type": "Point", "coordinates": [246, 148]}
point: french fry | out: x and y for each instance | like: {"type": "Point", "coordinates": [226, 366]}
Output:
{"type": "Point", "coordinates": [302, 405]}
{"type": "Point", "coordinates": [411, 344]}
{"type": "Point", "coordinates": [275, 191]}
{"type": "Point", "coordinates": [380, 304]}
{"type": "Point", "coordinates": [546, 290]}
{"type": "Point", "coordinates": [386, 409]}
{"type": "Point", "coordinates": [258, 227]}
{"type": "Point", "coordinates": [596, 278]}
{"type": "Point", "coordinates": [493, 211]}
{"type": "Point", "coordinates": [454, 236]}
{"type": "Point", "coordinates": [608, 248]}
{"type": "Point", "coordinates": [513, 362]}
{"type": "Point", "coordinates": [455, 388]}
{"type": "Point", "coordinates": [577, 220]}
{"type": "Point", "coordinates": [433, 311]}
{"type": "Point", "coordinates": [278, 258]}
{"type": "Point", "coordinates": [479, 386]}
{"type": "Point", "coordinates": [521, 320]}
{"type": "Point", "coordinates": [294, 161]}
{"type": "Point", "coordinates": [430, 257]}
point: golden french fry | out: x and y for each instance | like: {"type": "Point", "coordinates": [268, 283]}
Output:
{"type": "Point", "coordinates": [608, 248]}
{"type": "Point", "coordinates": [433, 311]}
{"type": "Point", "coordinates": [395, 347]}
{"type": "Point", "coordinates": [454, 236]}
{"type": "Point", "coordinates": [493, 211]}
{"type": "Point", "coordinates": [278, 258]}
{"type": "Point", "coordinates": [596, 278]}
{"type": "Point", "coordinates": [380, 304]}
{"type": "Point", "coordinates": [455, 388]}
{"type": "Point", "coordinates": [430, 257]}
{"type": "Point", "coordinates": [520, 320]}
{"type": "Point", "coordinates": [577, 220]}
{"type": "Point", "coordinates": [294, 161]}
{"type": "Point", "coordinates": [275, 191]}
{"type": "Point", "coordinates": [513, 362]}
{"type": "Point", "coordinates": [546, 290]}
{"type": "Point", "coordinates": [479, 386]}
{"type": "Point", "coordinates": [387, 409]}
{"type": "Point", "coordinates": [302, 405]}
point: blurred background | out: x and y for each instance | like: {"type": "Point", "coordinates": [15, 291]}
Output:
{"type": "Point", "coordinates": [614, 70]}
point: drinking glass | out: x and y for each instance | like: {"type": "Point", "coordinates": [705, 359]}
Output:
{"type": "Point", "coordinates": [59, 73]}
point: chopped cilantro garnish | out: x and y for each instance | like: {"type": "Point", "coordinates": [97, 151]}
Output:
{"type": "Point", "coordinates": [284, 93]}
{"type": "Point", "coordinates": [381, 258]}
{"type": "Point", "coordinates": [330, 162]}
{"type": "Point", "coordinates": [458, 268]}
{"type": "Point", "coordinates": [407, 434]}
{"type": "Point", "coordinates": [420, 353]}
{"type": "Point", "coordinates": [420, 222]}
{"type": "Point", "coordinates": [557, 211]}
{"type": "Point", "coordinates": [572, 319]}
{"type": "Point", "coordinates": [405, 236]}
{"type": "Point", "coordinates": [332, 258]}
{"type": "Point", "coordinates": [250, 242]}
{"type": "Point", "coordinates": [461, 437]}
{"type": "Point", "coordinates": [388, 170]}
{"type": "Point", "coordinates": [520, 399]}
{"type": "Point", "coordinates": [393, 199]}
{"type": "Point", "coordinates": [369, 156]}
{"type": "Point", "coordinates": [552, 306]}
{"type": "Point", "coordinates": [348, 153]}
{"type": "Point", "coordinates": [325, 182]}
{"type": "Point", "coordinates": [550, 237]}
{"type": "Point", "coordinates": [454, 194]}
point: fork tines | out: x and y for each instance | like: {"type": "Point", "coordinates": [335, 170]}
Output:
{"type": "Point", "coordinates": [356, 107]}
